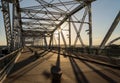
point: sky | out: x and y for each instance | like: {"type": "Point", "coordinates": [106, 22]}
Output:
{"type": "Point", "coordinates": [103, 14]}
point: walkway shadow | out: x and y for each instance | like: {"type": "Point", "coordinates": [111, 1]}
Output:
{"type": "Point", "coordinates": [110, 80]}
{"type": "Point", "coordinates": [56, 71]}
{"type": "Point", "coordinates": [80, 78]}
{"type": "Point", "coordinates": [107, 78]}
{"type": "Point", "coordinates": [26, 69]}
{"type": "Point", "coordinates": [113, 72]}
{"type": "Point", "coordinates": [25, 62]}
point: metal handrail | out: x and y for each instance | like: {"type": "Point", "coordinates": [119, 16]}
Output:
{"type": "Point", "coordinates": [6, 62]}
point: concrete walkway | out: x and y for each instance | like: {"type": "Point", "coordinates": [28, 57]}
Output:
{"type": "Point", "coordinates": [29, 69]}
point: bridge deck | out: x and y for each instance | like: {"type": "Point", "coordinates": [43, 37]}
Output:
{"type": "Point", "coordinates": [29, 69]}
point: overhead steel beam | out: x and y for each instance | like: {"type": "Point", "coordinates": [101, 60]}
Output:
{"type": "Point", "coordinates": [30, 36]}
{"type": "Point", "coordinates": [33, 28]}
{"type": "Point", "coordinates": [113, 26]}
{"type": "Point", "coordinates": [55, 4]}
{"type": "Point", "coordinates": [39, 29]}
{"type": "Point", "coordinates": [42, 12]}
{"type": "Point", "coordinates": [33, 31]}
{"type": "Point", "coordinates": [41, 24]}
{"type": "Point", "coordinates": [47, 19]}
{"type": "Point", "coordinates": [82, 5]}
{"type": "Point", "coordinates": [36, 36]}
{"type": "Point", "coordinates": [42, 2]}
{"type": "Point", "coordinates": [33, 34]}
{"type": "Point", "coordinates": [36, 33]}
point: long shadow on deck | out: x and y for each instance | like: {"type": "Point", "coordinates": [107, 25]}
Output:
{"type": "Point", "coordinates": [110, 80]}
{"type": "Point", "coordinates": [25, 62]}
{"type": "Point", "coordinates": [56, 70]}
{"type": "Point", "coordinates": [106, 68]}
{"type": "Point", "coordinates": [19, 71]}
{"type": "Point", "coordinates": [107, 78]}
{"type": "Point", "coordinates": [80, 78]}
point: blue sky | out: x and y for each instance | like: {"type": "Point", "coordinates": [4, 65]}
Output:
{"type": "Point", "coordinates": [103, 14]}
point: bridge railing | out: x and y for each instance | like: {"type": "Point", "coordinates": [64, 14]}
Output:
{"type": "Point", "coordinates": [108, 51]}
{"type": "Point", "coordinates": [6, 62]}
{"type": "Point", "coordinates": [109, 55]}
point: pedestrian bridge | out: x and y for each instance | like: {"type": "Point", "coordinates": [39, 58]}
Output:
{"type": "Point", "coordinates": [45, 44]}
{"type": "Point", "coordinates": [31, 67]}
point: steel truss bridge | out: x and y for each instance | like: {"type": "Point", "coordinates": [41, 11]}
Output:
{"type": "Point", "coordinates": [33, 28]}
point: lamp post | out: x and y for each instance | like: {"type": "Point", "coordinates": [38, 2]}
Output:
{"type": "Point", "coordinates": [59, 30]}
{"type": "Point", "coordinates": [56, 70]}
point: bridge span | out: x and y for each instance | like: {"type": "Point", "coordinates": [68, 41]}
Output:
{"type": "Point", "coordinates": [51, 41]}
{"type": "Point", "coordinates": [33, 65]}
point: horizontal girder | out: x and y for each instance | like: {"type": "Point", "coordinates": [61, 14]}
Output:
{"type": "Point", "coordinates": [55, 4]}
{"type": "Point", "coordinates": [42, 12]}
{"type": "Point", "coordinates": [32, 33]}
{"type": "Point", "coordinates": [47, 19]}
{"type": "Point", "coordinates": [41, 24]}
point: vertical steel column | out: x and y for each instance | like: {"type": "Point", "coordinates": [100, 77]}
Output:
{"type": "Point", "coordinates": [50, 42]}
{"type": "Point", "coordinates": [69, 33]}
{"type": "Point", "coordinates": [90, 25]}
{"type": "Point", "coordinates": [17, 27]}
{"type": "Point", "coordinates": [45, 42]}
{"type": "Point", "coordinates": [63, 39]}
{"type": "Point", "coordinates": [7, 23]}
{"type": "Point", "coordinates": [20, 24]}
{"type": "Point", "coordinates": [14, 30]}
{"type": "Point", "coordinates": [58, 41]}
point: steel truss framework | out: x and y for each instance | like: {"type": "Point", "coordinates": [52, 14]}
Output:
{"type": "Point", "coordinates": [41, 20]}
{"type": "Point", "coordinates": [6, 15]}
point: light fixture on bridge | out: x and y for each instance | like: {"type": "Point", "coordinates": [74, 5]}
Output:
{"type": "Point", "coordinates": [59, 30]}
{"type": "Point", "coordinates": [47, 34]}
